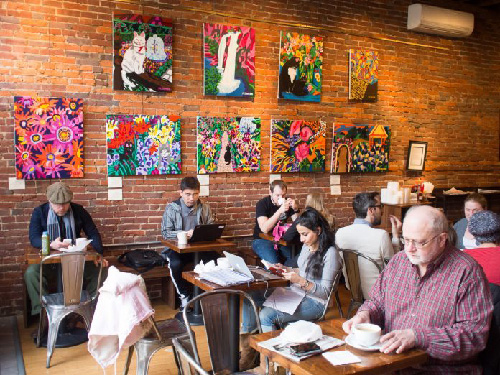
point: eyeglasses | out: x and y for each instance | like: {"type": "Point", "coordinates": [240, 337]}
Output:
{"type": "Point", "coordinates": [418, 245]}
{"type": "Point", "coordinates": [378, 205]}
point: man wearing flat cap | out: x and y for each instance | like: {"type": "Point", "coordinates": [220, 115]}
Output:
{"type": "Point", "coordinates": [61, 219]}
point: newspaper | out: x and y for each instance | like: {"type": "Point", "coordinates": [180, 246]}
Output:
{"type": "Point", "coordinates": [276, 344]}
{"type": "Point", "coordinates": [225, 277]}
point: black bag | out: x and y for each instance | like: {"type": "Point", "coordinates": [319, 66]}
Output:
{"type": "Point", "coordinates": [141, 260]}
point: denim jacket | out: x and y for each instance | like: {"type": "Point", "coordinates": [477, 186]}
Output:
{"type": "Point", "coordinates": [171, 222]}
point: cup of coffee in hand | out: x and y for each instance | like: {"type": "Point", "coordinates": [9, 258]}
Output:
{"type": "Point", "coordinates": [366, 334]}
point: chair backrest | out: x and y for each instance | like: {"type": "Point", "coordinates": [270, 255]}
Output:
{"type": "Point", "coordinates": [185, 360]}
{"type": "Point", "coordinates": [353, 275]}
{"type": "Point", "coordinates": [72, 267]}
{"type": "Point", "coordinates": [222, 339]}
{"type": "Point", "coordinates": [333, 289]}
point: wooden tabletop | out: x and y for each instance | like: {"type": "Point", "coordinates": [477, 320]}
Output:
{"type": "Point", "coordinates": [205, 285]}
{"type": "Point", "coordinates": [33, 256]}
{"type": "Point", "coordinates": [371, 362]}
{"type": "Point", "coordinates": [219, 244]}
{"type": "Point", "coordinates": [266, 236]}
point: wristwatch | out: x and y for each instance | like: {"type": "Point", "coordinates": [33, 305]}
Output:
{"type": "Point", "coordinates": [306, 284]}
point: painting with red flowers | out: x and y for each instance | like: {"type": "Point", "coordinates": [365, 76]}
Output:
{"type": "Point", "coordinates": [48, 137]}
{"type": "Point", "coordinates": [229, 60]}
{"type": "Point", "coordinates": [143, 145]}
{"type": "Point", "coordinates": [298, 146]}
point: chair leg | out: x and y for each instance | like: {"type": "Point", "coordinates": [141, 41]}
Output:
{"type": "Point", "coordinates": [349, 310]}
{"type": "Point", "coordinates": [54, 322]}
{"type": "Point", "coordinates": [339, 306]}
{"type": "Point", "coordinates": [40, 327]}
{"type": "Point", "coordinates": [129, 359]}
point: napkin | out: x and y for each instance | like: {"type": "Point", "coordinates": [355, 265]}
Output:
{"type": "Point", "coordinates": [342, 357]}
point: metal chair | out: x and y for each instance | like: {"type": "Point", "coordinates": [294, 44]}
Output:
{"type": "Point", "coordinates": [160, 337]}
{"type": "Point", "coordinates": [354, 278]}
{"type": "Point", "coordinates": [220, 310]}
{"type": "Point", "coordinates": [72, 299]}
{"type": "Point", "coordinates": [185, 360]}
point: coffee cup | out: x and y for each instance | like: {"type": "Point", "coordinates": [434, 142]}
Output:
{"type": "Point", "coordinates": [182, 237]}
{"type": "Point", "coordinates": [281, 201]}
{"type": "Point", "coordinates": [366, 334]}
{"type": "Point", "coordinates": [80, 242]}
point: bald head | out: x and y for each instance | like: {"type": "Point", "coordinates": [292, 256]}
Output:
{"type": "Point", "coordinates": [433, 218]}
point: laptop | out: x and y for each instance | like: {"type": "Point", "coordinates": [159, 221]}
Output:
{"type": "Point", "coordinates": [238, 264]}
{"type": "Point", "coordinates": [207, 232]}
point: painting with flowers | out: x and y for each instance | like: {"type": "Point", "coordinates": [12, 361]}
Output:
{"type": "Point", "coordinates": [301, 62]}
{"type": "Point", "coordinates": [298, 146]}
{"type": "Point", "coordinates": [48, 137]}
{"type": "Point", "coordinates": [228, 144]}
{"type": "Point", "coordinates": [229, 60]}
{"type": "Point", "coordinates": [360, 148]}
{"type": "Point", "coordinates": [363, 75]}
{"type": "Point", "coordinates": [143, 145]}
{"type": "Point", "coordinates": [142, 48]}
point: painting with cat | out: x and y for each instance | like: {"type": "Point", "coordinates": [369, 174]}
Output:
{"type": "Point", "coordinates": [228, 144]}
{"type": "Point", "coordinates": [142, 58]}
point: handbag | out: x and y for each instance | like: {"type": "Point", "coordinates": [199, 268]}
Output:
{"type": "Point", "coordinates": [141, 260]}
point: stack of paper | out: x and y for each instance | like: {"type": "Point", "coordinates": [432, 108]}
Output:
{"type": "Point", "coordinates": [225, 277]}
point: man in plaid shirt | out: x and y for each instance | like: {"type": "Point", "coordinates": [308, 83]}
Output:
{"type": "Point", "coordinates": [431, 296]}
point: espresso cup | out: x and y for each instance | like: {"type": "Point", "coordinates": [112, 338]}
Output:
{"type": "Point", "coordinates": [182, 238]}
{"type": "Point", "coordinates": [366, 334]}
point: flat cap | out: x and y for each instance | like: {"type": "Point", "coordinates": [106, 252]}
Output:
{"type": "Point", "coordinates": [59, 193]}
{"type": "Point", "coordinates": [485, 226]}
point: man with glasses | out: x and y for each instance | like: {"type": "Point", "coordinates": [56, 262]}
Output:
{"type": "Point", "coordinates": [431, 296]}
{"type": "Point", "coordinates": [373, 242]}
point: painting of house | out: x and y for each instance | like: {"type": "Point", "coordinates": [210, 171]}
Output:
{"type": "Point", "coordinates": [143, 145]}
{"type": "Point", "coordinates": [360, 148]}
{"type": "Point", "coordinates": [48, 137]}
{"type": "Point", "coordinates": [228, 144]}
{"type": "Point", "coordinates": [142, 53]}
{"type": "Point", "coordinates": [229, 60]}
{"type": "Point", "coordinates": [298, 146]}
{"type": "Point", "coordinates": [363, 75]}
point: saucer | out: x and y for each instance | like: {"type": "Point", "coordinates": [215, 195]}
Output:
{"type": "Point", "coordinates": [351, 341]}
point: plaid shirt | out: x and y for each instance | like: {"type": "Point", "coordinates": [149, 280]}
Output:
{"type": "Point", "coordinates": [449, 309]}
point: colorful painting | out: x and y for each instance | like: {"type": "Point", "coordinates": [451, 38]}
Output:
{"type": "Point", "coordinates": [143, 145]}
{"type": "Point", "coordinates": [142, 53]}
{"type": "Point", "coordinates": [48, 137]}
{"type": "Point", "coordinates": [301, 62]}
{"type": "Point", "coordinates": [229, 60]}
{"type": "Point", "coordinates": [360, 148]}
{"type": "Point", "coordinates": [298, 146]}
{"type": "Point", "coordinates": [228, 144]}
{"type": "Point", "coordinates": [363, 75]}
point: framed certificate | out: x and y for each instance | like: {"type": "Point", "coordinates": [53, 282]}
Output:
{"type": "Point", "coordinates": [417, 152]}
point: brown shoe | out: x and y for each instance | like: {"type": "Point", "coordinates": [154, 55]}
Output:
{"type": "Point", "coordinates": [248, 355]}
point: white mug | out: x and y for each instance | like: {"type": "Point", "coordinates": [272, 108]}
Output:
{"type": "Point", "coordinates": [366, 334]}
{"type": "Point", "coordinates": [182, 237]}
{"type": "Point", "coordinates": [281, 201]}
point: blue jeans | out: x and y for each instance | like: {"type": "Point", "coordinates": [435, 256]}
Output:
{"type": "Point", "coordinates": [265, 250]}
{"type": "Point", "coordinates": [308, 309]}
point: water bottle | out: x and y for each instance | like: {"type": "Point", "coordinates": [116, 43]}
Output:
{"type": "Point", "coordinates": [45, 244]}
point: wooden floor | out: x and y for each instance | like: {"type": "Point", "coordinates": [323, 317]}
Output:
{"type": "Point", "coordinates": [78, 361]}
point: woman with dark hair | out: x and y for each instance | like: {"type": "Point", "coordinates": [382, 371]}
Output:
{"type": "Point", "coordinates": [474, 202]}
{"type": "Point", "coordinates": [289, 80]}
{"type": "Point", "coordinates": [318, 264]}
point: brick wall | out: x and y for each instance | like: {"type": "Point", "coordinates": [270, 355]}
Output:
{"type": "Point", "coordinates": [448, 97]}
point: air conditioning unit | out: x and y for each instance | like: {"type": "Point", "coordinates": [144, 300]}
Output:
{"type": "Point", "coordinates": [434, 20]}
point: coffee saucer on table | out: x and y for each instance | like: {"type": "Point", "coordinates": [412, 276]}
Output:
{"type": "Point", "coordinates": [351, 341]}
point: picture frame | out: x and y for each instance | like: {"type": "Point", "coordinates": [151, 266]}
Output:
{"type": "Point", "coordinates": [417, 153]}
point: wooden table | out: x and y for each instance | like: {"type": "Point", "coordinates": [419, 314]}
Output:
{"type": "Point", "coordinates": [234, 306]}
{"type": "Point", "coordinates": [291, 245]}
{"type": "Point", "coordinates": [371, 362]}
{"type": "Point", "coordinates": [34, 256]}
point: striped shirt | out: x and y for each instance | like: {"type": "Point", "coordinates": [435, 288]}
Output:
{"type": "Point", "coordinates": [449, 309]}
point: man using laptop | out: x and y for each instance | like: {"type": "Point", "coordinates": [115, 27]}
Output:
{"type": "Point", "coordinates": [184, 214]}
{"type": "Point", "coordinates": [271, 210]}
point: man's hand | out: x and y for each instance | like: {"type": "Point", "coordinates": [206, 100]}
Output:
{"type": "Point", "coordinates": [293, 204]}
{"type": "Point", "coordinates": [360, 317]}
{"type": "Point", "coordinates": [190, 233]}
{"type": "Point", "coordinates": [104, 262]}
{"type": "Point", "coordinates": [396, 225]}
{"type": "Point", "coordinates": [58, 244]}
{"type": "Point", "coordinates": [399, 341]}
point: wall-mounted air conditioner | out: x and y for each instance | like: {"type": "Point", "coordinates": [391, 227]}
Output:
{"type": "Point", "coordinates": [440, 21]}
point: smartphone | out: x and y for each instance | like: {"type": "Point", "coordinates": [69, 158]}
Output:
{"type": "Point", "coordinates": [305, 348]}
{"type": "Point", "coordinates": [277, 271]}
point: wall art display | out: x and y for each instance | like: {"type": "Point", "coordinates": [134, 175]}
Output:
{"type": "Point", "coordinates": [48, 137]}
{"type": "Point", "coordinates": [360, 148]}
{"type": "Point", "coordinates": [142, 53]}
{"type": "Point", "coordinates": [228, 144]}
{"type": "Point", "coordinates": [298, 146]}
{"type": "Point", "coordinates": [143, 145]}
{"type": "Point", "coordinates": [301, 62]}
{"type": "Point", "coordinates": [363, 75]}
{"type": "Point", "coordinates": [229, 60]}
{"type": "Point", "coordinates": [417, 151]}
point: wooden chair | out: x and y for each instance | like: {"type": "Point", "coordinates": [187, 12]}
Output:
{"type": "Point", "coordinates": [354, 277]}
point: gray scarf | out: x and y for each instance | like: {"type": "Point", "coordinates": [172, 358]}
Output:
{"type": "Point", "coordinates": [53, 225]}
